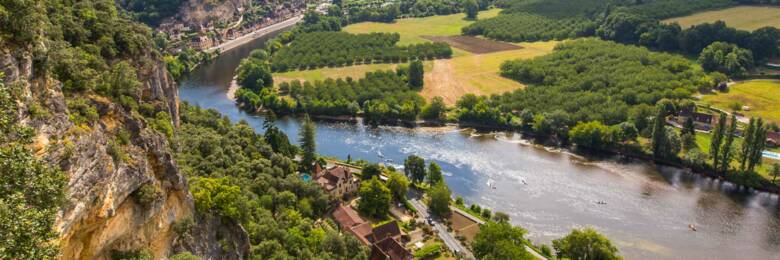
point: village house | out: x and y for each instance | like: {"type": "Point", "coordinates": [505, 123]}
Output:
{"type": "Point", "coordinates": [338, 180]}
{"type": "Point", "coordinates": [202, 42]}
{"type": "Point", "coordinates": [701, 121]}
{"type": "Point", "coordinates": [350, 222]}
{"type": "Point", "coordinates": [384, 240]}
{"type": "Point", "coordinates": [389, 249]}
{"type": "Point", "coordinates": [772, 139]}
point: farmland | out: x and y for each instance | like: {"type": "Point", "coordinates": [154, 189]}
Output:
{"type": "Point", "coordinates": [762, 96]}
{"type": "Point", "coordinates": [472, 70]}
{"type": "Point", "coordinates": [741, 17]}
{"type": "Point", "coordinates": [448, 78]}
{"type": "Point", "coordinates": [477, 74]}
{"type": "Point", "coordinates": [413, 29]}
{"type": "Point", "coordinates": [357, 71]}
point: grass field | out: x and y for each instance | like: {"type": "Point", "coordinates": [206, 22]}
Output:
{"type": "Point", "coordinates": [355, 72]}
{"type": "Point", "coordinates": [703, 140]}
{"type": "Point", "coordinates": [477, 74]}
{"type": "Point", "coordinates": [741, 17]}
{"type": "Point", "coordinates": [412, 28]}
{"type": "Point", "coordinates": [762, 96]}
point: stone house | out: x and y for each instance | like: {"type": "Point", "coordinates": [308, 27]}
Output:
{"type": "Point", "coordinates": [338, 180]}
{"type": "Point", "coordinates": [350, 222]}
{"type": "Point", "coordinates": [772, 139]}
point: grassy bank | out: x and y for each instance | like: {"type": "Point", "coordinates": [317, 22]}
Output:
{"type": "Point", "coordinates": [762, 96]}
{"type": "Point", "coordinates": [412, 28]}
{"type": "Point", "coordinates": [741, 17]}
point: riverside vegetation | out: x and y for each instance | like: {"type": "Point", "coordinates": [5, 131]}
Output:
{"type": "Point", "coordinates": [617, 86]}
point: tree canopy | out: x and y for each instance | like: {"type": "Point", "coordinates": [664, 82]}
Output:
{"type": "Point", "coordinates": [500, 240]}
{"type": "Point", "coordinates": [375, 198]}
{"type": "Point", "coordinates": [585, 244]}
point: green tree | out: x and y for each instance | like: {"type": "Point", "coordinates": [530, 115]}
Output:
{"type": "Point", "coordinates": [717, 140]}
{"type": "Point", "coordinates": [434, 173]}
{"type": "Point", "coordinates": [434, 110]}
{"type": "Point", "coordinates": [500, 240]}
{"type": "Point", "coordinates": [501, 217]}
{"type": "Point", "coordinates": [727, 150]}
{"type": "Point", "coordinates": [414, 168]}
{"type": "Point", "coordinates": [622, 27]}
{"type": "Point", "coordinates": [758, 143]}
{"type": "Point", "coordinates": [374, 198]}
{"type": "Point", "coordinates": [775, 171]}
{"type": "Point", "coordinates": [439, 202]}
{"type": "Point", "coordinates": [688, 142]}
{"type": "Point", "coordinates": [30, 190]}
{"type": "Point", "coordinates": [747, 144]}
{"type": "Point", "coordinates": [726, 58]}
{"type": "Point", "coordinates": [278, 140]}
{"type": "Point", "coordinates": [416, 74]}
{"type": "Point", "coordinates": [123, 80]}
{"type": "Point", "coordinates": [471, 8]}
{"type": "Point", "coordinates": [254, 74]}
{"type": "Point", "coordinates": [218, 196]}
{"type": "Point", "coordinates": [586, 244]}
{"type": "Point", "coordinates": [308, 143]}
{"type": "Point", "coordinates": [659, 134]}
{"type": "Point", "coordinates": [370, 171]}
{"type": "Point", "coordinates": [688, 127]}
{"type": "Point", "coordinates": [398, 185]}
{"type": "Point", "coordinates": [590, 135]}
{"type": "Point", "coordinates": [185, 256]}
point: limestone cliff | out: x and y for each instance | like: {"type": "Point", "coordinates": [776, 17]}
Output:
{"type": "Point", "coordinates": [204, 12]}
{"type": "Point", "coordinates": [114, 205]}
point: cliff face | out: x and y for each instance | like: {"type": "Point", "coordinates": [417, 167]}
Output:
{"type": "Point", "coordinates": [113, 205]}
{"type": "Point", "coordinates": [203, 12]}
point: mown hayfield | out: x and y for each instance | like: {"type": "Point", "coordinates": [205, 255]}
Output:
{"type": "Point", "coordinates": [355, 72]}
{"type": "Point", "coordinates": [477, 74]}
{"type": "Point", "coordinates": [741, 17]}
{"type": "Point", "coordinates": [412, 29]}
{"type": "Point", "coordinates": [762, 96]}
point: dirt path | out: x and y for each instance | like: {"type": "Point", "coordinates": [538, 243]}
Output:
{"type": "Point", "coordinates": [442, 82]}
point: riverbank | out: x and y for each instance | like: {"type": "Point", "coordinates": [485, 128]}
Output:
{"type": "Point", "coordinates": [244, 39]}
{"type": "Point", "coordinates": [649, 207]}
{"type": "Point", "coordinates": [551, 144]}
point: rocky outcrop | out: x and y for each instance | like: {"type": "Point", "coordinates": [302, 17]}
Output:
{"type": "Point", "coordinates": [121, 196]}
{"type": "Point", "coordinates": [205, 12]}
{"type": "Point", "coordinates": [214, 239]}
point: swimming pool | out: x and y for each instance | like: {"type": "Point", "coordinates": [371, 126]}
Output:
{"type": "Point", "coordinates": [772, 155]}
{"type": "Point", "coordinates": [305, 177]}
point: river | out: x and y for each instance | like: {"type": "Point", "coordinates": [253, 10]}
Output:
{"type": "Point", "coordinates": [647, 211]}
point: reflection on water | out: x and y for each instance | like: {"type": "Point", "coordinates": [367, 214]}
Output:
{"type": "Point", "coordinates": [647, 211]}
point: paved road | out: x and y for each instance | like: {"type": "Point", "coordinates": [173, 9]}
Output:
{"type": "Point", "coordinates": [226, 46]}
{"type": "Point", "coordinates": [452, 243]}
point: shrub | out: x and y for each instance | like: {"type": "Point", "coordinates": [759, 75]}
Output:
{"type": "Point", "coordinates": [183, 226]}
{"type": "Point", "coordinates": [428, 250]}
{"type": "Point", "coordinates": [147, 194]}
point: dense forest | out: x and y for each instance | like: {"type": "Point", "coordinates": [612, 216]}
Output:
{"type": "Point", "coordinates": [357, 10]}
{"type": "Point", "coordinates": [591, 79]}
{"type": "Point", "coordinates": [383, 97]}
{"type": "Point", "coordinates": [237, 176]}
{"type": "Point", "coordinates": [151, 12]}
{"type": "Point", "coordinates": [320, 49]}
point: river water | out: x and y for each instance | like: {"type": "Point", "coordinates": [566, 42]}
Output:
{"type": "Point", "coordinates": [648, 208]}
